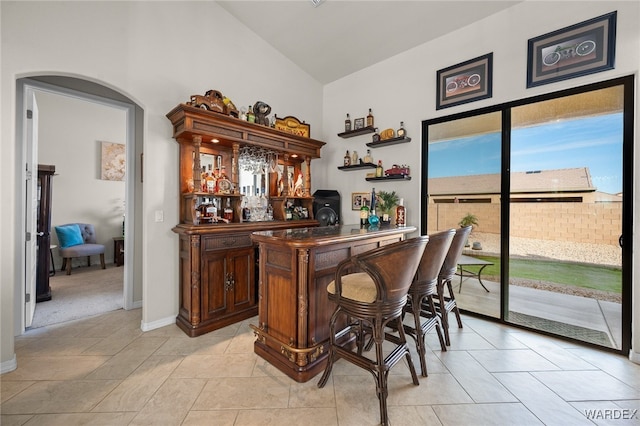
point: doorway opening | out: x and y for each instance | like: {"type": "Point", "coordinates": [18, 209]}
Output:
{"type": "Point", "coordinates": [120, 209]}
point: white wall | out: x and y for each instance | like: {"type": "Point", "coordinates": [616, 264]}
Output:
{"type": "Point", "coordinates": [157, 54]}
{"type": "Point", "coordinates": [404, 88]}
{"type": "Point", "coordinates": [70, 134]}
{"type": "Point", "coordinates": [160, 53]}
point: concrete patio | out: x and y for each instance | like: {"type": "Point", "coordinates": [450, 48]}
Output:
{"type": "Point", "coordinates": [579, 312]}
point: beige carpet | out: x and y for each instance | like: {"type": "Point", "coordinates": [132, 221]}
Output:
{"type": "Point", "coordinates": [87, 291]}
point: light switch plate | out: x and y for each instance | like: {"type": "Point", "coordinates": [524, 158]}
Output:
{"type": "Point", "coordinates": [159, 216]}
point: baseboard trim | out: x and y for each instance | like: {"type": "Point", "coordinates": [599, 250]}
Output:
{"type": "Point", "coordinates": [8, 366]}
{"type": "Point", "coordinates": [634, 357]}
{"type": "Point", "coordinates": [136, 305]}
{"type": "Point", "coordinates": [148, 326]}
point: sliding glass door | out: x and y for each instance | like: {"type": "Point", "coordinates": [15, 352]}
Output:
{"type": "Point", "coordinates": [565, 261]}
{"type": "Point", "coordinates": [548, 184]}
{"type": "Point", "coordinates": [463, 187]}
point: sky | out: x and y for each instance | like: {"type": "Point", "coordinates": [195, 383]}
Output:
{"type": "Point", "coordinates": [593, 142]}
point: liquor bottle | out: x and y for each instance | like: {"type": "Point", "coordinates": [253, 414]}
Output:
{"type": "Point", "coordinates": [401, 133]}
{"type": "Point", "coordinates": [374, 220]}
{"type": "Point", "coordinates": [251, 118]}
{"type": "Point", "coordinates": [370, 119]}
{"type": "Point", "coordinates": [347, 124]}
{"type": "Point", "coordinates": [347, 159]}
{"type": "Point", "coordinates": [376, 136]}
{"type": "Point", "coordinates": [368, 158]}
{"type": "Point", "coordinates": [401, 214]}
{"type": "Point", "coordinates": [211, 183]}
{"type": "Point", "coordinates": [212, 209]}
{"type": "Point", "coordinates": [372, 208]}
{"type": "Point", "coordinates": [246, 212]}
{"type": "Point", "coordinates": [354, 157]}
{"type": "Point", "coordinates": [364, 215]}
{"type": "Point", "coordinates": [379, 170]}
{"type": "Point", "coordinates": [228, 211]}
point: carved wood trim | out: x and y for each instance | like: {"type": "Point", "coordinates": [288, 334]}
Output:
{"type": "Point", "coordinates": [303, 297]}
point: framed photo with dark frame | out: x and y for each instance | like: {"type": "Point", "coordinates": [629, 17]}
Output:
{"type": "Point", "coordinates": [358, 123]}
{"type": "Point", "coordinates": [581, 49]}
{"type": "Point", "coordinates": [465, 82]}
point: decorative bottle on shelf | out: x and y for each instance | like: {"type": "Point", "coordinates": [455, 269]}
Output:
{"type": "Point", "coordinates": [364, 215]}
{"type": "Point", "coordinates": [246, 212]}
{"type": "Point", "coordinates": [211, 183]}
{"type": "Point", "coordinates": [347, 159]}
{"type": "Point", "coordinates": [401, 214]}
{"type": "Point", "coordinates": [370, 119]}
{"type": "Point", "coordinates": [347, 124]}
{"type": "Point", "coordinates": [368, 158]}
{"type": "Point", "coordinates": [374, 220]}
{"type": "Point", "coordinates": [401, 133]}
{"type": "Point", "coordinates": [379, 170]}
{"type": "Point", "coordinates": [251, 118]}
{"type": "Point", "coordinates": [228, 211]}
{"type": "Point", "coordinates": [212, 210]}
{"type": "Point", "coordinates": [354, 157]}
{"type": "Point", "coordinates": [376, 136]}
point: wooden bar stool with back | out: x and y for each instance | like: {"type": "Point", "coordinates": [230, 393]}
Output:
{"type": "Point", "coordinates": [370, 291]}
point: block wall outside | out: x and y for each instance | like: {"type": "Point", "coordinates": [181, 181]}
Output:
{"type": "Point", "coordinates": [578, 222]}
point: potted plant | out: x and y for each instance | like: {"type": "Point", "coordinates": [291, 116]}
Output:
{"type": "Point", "coordinates": [469, 219]}
{"type": "Point", "coordinates": [387, 201]}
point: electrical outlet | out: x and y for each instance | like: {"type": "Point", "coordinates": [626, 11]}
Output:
{"type": "Point", "coordinates": [159, 216]}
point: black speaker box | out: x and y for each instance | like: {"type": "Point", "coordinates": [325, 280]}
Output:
{"type": "Point", "coordinates": [326, 206]}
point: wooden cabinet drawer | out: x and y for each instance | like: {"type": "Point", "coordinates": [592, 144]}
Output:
{"type": "Point", "coordinates": [226, 242]}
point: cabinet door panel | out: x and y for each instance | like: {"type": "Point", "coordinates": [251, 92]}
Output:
{"type": "Point", "coordinates": [241, 263]}
{"type": "Point", "coordinates": [214, 295]}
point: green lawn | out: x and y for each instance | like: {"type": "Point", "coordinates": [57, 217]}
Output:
{"type": "Point", "coordinates": [573, 274]}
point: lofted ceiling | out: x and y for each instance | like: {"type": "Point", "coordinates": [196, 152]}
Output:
{"type": "Point", "coordinates": [340, 37]}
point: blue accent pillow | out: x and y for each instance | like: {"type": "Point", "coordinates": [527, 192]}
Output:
{"type": "Point", "coordinates": [69, 235]}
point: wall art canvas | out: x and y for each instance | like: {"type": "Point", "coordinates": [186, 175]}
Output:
{"type": "Point", "coordinates": [113, 161]}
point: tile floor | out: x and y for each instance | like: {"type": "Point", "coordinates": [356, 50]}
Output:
{"type": "Point", "coordinates": [105, 371]}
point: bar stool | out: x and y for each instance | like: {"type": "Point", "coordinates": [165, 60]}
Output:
{"type": "Point", "coordinates": [422, 292]}
{"type": "Point", "coordinates": [447, 302]}
{"type": "Point", "coordinates": [370, 291]}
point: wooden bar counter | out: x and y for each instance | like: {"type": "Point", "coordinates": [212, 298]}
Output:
{"type": "Point", "coordinates": [296, 265]}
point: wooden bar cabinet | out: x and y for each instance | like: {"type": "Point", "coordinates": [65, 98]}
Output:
{"type": "Point", "coordinates": [218, 260]}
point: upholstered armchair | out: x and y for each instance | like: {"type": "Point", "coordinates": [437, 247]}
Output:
{"type": "Point", "coordinates": [78, 240]}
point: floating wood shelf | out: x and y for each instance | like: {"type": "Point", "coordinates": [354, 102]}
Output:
{"type": "Point", "coordinates": [386, 142]}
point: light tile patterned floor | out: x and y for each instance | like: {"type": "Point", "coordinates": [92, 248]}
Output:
{"type": "Point", "coordinates": [105, 371]}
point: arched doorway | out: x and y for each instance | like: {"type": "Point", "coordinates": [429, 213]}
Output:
{"type": "Point", "coordinates": [88, 91]}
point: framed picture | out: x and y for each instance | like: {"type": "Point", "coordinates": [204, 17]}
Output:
{"type": "Point", "coordinates": [358, 123]}
{"type": "Point", "coordinates": [359, 199]}
{"type": "Point", "coordinates": [581, 49]}
{"type": "Point", "coordinates": [465, 82]}
{"type": "Point", "coordinates": [112, 161]}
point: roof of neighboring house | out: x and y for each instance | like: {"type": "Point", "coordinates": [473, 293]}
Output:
{"type": "Point", "coordinates": [536, 181]}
